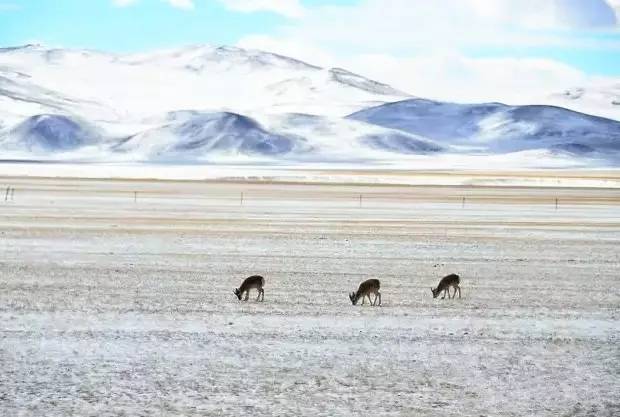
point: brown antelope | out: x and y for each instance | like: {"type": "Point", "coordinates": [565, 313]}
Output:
{"type": "Point", "coordinates": [255, 281]}
{"type": "Point", "coordinates": [370, 286]}
{"type": "Point", "coordinates": [452, 280]}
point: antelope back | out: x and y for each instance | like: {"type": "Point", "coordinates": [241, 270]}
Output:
{"type": "Point", "coordinates": [448, 280]}
{"type": "Point", "coordinates": [255, 281]}
{"type": "Point", "coordinates": [370, 285]}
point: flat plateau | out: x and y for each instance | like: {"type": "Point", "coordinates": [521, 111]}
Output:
{"type": "Point", "coordinates": [116, 295]}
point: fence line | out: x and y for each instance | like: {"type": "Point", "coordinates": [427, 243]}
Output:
{"type": "Point", "coordinates": [362, 200]}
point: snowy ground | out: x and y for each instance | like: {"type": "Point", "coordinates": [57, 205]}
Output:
{"type": "Point", "coordinates": [115, 303]}
{"type": "Point", "coordinates": [483, 170]}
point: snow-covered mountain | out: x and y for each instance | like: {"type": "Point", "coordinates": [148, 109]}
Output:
{"type": "Point", "coordinates": [205, 103]}
{"type": "Point", "coordinates": [111, 88]}
{"type": "Point", "coordinates": [51, 133]}
{"type": "Point", "coordinates": [194, 136]}
{"type": "Point", "coordinates": [498, 128]}
{"type": "Point", "coordinates": [197, 136]}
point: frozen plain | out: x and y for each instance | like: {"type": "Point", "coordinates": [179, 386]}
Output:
{"type": "Point", "coordinates": [115, 303]}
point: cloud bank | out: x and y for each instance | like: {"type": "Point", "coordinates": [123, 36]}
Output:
{"type": "Point", "coordinates": [425, 47]}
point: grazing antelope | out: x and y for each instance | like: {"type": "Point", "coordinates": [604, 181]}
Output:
{"type": "Point", "coordinates": [370, 286]}
{"type": "Point", "coordinates": [452, 280]}
{"type": "Point", "coordinates": [255, 281]}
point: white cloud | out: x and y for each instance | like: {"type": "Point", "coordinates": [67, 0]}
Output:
{"type": "Point", "coordinates": [396, 25]}
{"type": "Point", "coordinates": [615, 4]}
{"type": "Point", "coordinates": [420, 46]}
{"type": "Point", "coordinates": [288, 8]}
{"type": "Point", "coordinates": [549, 14]}
{"type": "Point", "coordinates": [442, 75]}
{"type": "Point", "coordinates": [453, 76]}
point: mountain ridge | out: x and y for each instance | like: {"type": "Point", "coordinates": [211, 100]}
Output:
{"type": "Point", "coordinates": [208, 103]}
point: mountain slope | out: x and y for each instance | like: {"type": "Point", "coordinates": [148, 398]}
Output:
{"type": "Point", "coordinates": [190, 135]}
{"type": "Point", "coordinates": [197, 135]}
{"type": "Point", "coordinates": [341, 139]}
{"type": "Point", "coordinates": [112, 88]}
{"type": "Point", "coordinates": [495, 127]}
{"type": "Point", "coordinates": [46, 134]}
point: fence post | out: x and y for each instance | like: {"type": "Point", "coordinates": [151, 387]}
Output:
{"type": "Point", "coordinates": [556, 203]}
{"type": "Point", "coordinates": [360, 200]}
{"type": "Point", "coordinates": [135, 196]}
{"type": "Point", "coordinates": [6, 196]}
{"type": "Point", "coordinates": [463, 203]}
{"type": "Point", "coordinates": [241, 199]}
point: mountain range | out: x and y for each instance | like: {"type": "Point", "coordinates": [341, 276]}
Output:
{"type": "Point", "coordinates": [221, 104]}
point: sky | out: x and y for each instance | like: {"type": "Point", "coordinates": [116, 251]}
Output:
{"type": "Point", "coordinates": [464, 50]}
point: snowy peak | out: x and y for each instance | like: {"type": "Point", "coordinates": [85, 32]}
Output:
{"type": "Point", "coordinates": [128, 87]}
{"type": "Point", "coordinates": [205, 57]}
{"type": "Point", "coordinates": [258, 58]}
{"type": "Point", "coordinates": [29, 46]}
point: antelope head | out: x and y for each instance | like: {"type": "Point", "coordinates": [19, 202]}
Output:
{"type": "Point", "coordinates": [353, 298]}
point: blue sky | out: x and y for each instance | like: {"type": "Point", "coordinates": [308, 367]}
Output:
{"type": "Point", "coordinates": [146, 25]}
{"type": "Point", "coordinates": [383, 38]}
{"type": "Point", "coordinates": [126, 26]}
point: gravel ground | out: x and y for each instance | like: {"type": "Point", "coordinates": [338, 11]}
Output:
{"type": "Point", "coordinates": [115, 308]}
